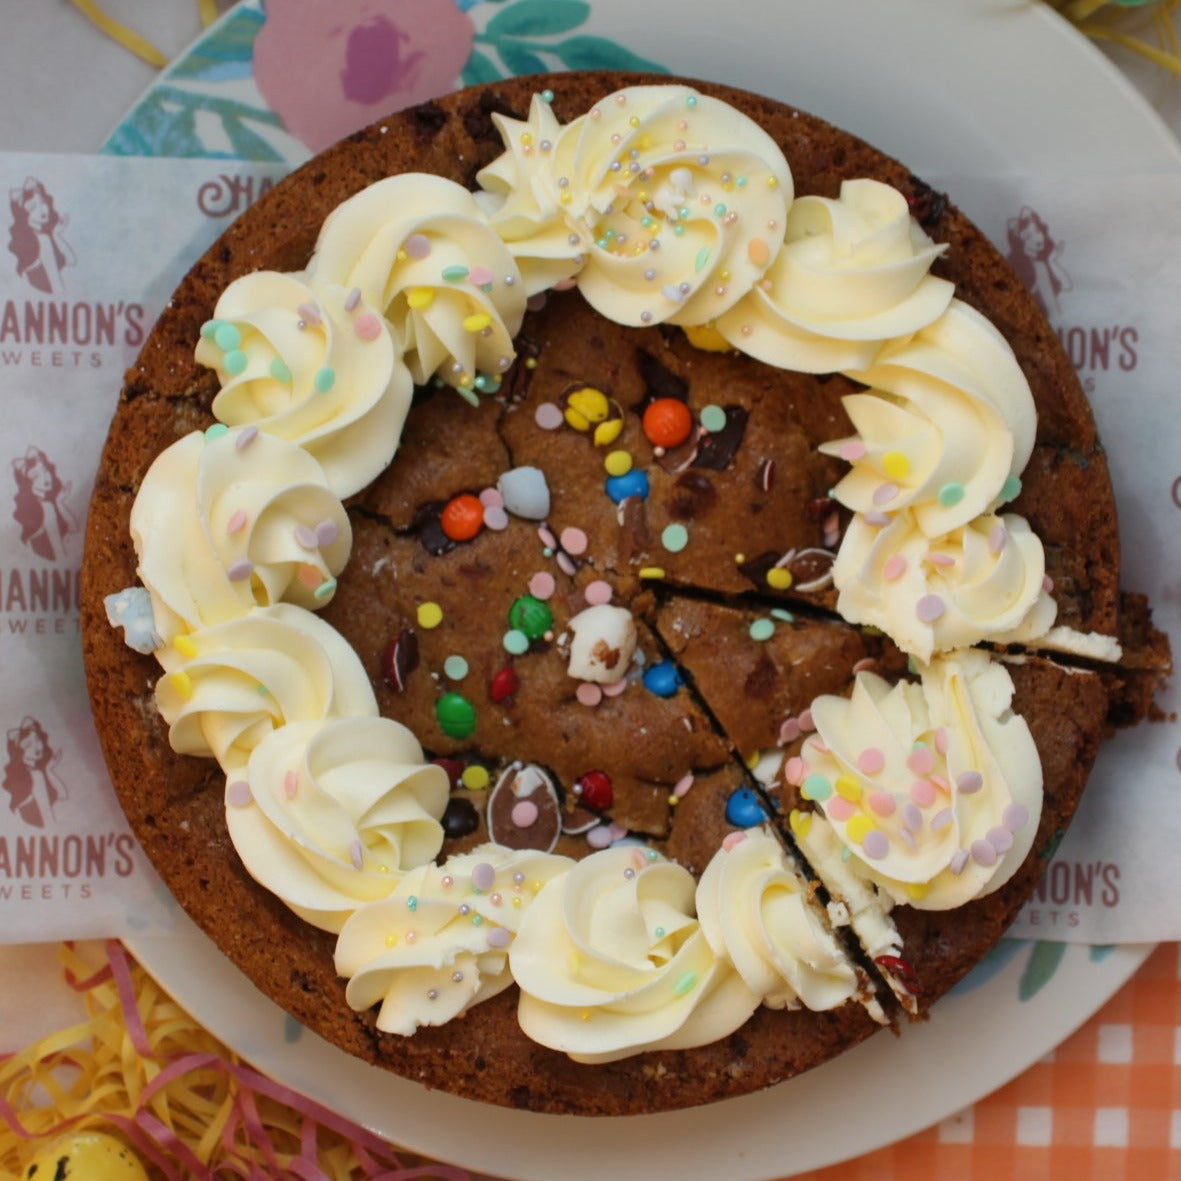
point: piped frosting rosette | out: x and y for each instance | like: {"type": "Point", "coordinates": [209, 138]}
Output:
{"type": "Point", "coordinates": [853, 272]}
{"type": "Point", "coordinates": [935, 788]}
{"type": "Point", "coordinates": [311, 362]}
{"type": "Point", "coordinates": [227, 686]}
{"type": "Point", "coordinates": [755, 911]}
{"type": "Point", "coordinates": [418, 248]}
{"type": "Point", "coordinates": [674, 202]}
{"type": "Point", "coordinates": [328, 815]}
{"type": "Point", "coordinates": [985, 580]}
{"type": "Point", "coordinates": [439, 943]}
{"type": "Point", "coordinates": [227, 520]}
{"type": "Point", "coordinates": [611, 960]}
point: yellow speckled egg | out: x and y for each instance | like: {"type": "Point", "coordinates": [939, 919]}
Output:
{"type": "Point", "coordinates": [86, 1156]}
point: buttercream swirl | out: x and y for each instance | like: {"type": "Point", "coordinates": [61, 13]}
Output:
{"type": "Point", "coordinates": [853, 272]}
{"type": "Point", "coordinates": [227, 686]}
{"type": "Point", "coordinates": [982, 581]}
{"type": "Point", "coordinates": [935, 788]}
{"type": "Point", "coordinates": [418, 249]}
{"type": "Point", "coordinates": [329, 813]}
{"type": "Point", "coordinates": [674, 202]}
{"type": "Point", "coordinates": [311, 362]}
{"type": "Point", "coordinates": [945, 429]}
{"type": "Point", "coordinates": [611, 961]}
{"type": "Point", "coordinates": [229, 520]}
{"type": "Point", "coordinates": [755, 912]}
{"type": "Point", "coordinates": [438, 944]}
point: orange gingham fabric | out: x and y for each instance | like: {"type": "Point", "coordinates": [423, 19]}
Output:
{"type": "Point", "coordinates": [1104, 1106]}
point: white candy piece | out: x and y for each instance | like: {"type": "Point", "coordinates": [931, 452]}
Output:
{"type": "Point", "coordinates": [525, 492]}
{"type": "Point", "coordinates": [603, 645]}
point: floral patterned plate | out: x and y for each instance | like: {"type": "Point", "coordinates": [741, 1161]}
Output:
{"type": "Point", "coordinates": [275, 81]}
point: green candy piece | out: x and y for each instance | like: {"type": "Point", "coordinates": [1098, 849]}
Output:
{"type": "Point", "coordinates": [531, 616]}
{"type": "Point", "coordinates": [456, 715]}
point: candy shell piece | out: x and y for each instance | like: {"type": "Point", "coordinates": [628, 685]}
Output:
{"type": "Point", "coordinates": [525, 493]}
{"type": "Point", "coordinates": [523, 809]}
{"type": "Point", "coordinates": [88, 1156]}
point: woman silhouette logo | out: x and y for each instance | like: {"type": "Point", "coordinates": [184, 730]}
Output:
{"type": "Point", "coordinates": [32, 785]}
{"type": "Point", "coordinates": [1033, 254]}
{"type": "Point", "coordinates": [36, 237]}
{"type": "Point", "coordinates": [39, 507]}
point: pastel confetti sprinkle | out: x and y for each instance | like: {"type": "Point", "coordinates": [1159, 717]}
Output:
{"type": "Point", "coordinates": [475, 777]}
{"type": "Point", "coordinates": [969, 782]}
{"type": "Point", "coordinates": [542, 585]}
{"type": "Point", "coordinates": [598, 592]}
{"type": "Point", "coordinates": [455, 667]}
{"type": "Point", "coordinates": [574, 541]}
{"type": "Point", "coordinates": [589, 693]}
{"type": "Point", "coordinates": [429, 615]}
{"type": "Point", "coordinates": [871, 761]}
{"type": "Point", "coordinates": [674, 538]}
{"type": "Point", "coordinates": [875, 845]}
{"type": "Point", "coordinates": [367, 326]}
{"type": "Point", "coordinates": [239, 794]}
{"type": "Point", "coordinates": [852, 450]}
{"type": "Point", "coordinates": [524, 814]}
{"type": "Point", "coordinates": [713, 418]}
{"type": "Point", "coordinates": [929, 608]}
{"type": "Point", "coordinates": [515, 642]}
{"type": "Point", "coordinates": [762, 629]}
{"type": "Point", "coordinates": [894, 568]}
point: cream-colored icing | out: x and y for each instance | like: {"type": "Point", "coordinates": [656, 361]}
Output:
{"type": "Point", "coordinates": [438, 944]}
{"type": "Point", "coordinates": [329, 814]}
{"type": "Point", "coordinates": [935, 787]}
{"type": "Point", "coordinates": [228, 520]}
{"type": "Point", "coordinates": [611, 960]}
{"type": "Point", "coordinates": [982, 581]}
{"type": "Point", "coordinates": [755, 911]}
{"type": "Point", "coordinates": [853, 272]}
{"type": "Point", "coordinates": [308, 361]}
{"type": "Point", "coordinates": [419, 250]}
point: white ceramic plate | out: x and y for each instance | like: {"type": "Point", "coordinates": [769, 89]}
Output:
{"type": "Point", "coordinates": [977, 87]}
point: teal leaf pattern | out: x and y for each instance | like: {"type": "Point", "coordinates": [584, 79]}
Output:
{"type": "Point", "coordinates": [480, 68]}
{"type": "Point", "coordinates": [226, 56]}
{"type": "Point", "coordinates": [991, 964]}
{"type": "Point", "coordinates": [1043, 963]}
{"type": "Point", "coordinates": [597, 53]}
{"type": "Point", "coordinates": [537, 18]}
{"type": "Point", "coordinates": [292, 1030]}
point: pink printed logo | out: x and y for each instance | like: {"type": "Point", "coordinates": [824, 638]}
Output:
{"type": "Point", "coordinates": [30, 781]}
{"type": "Point", "coordinates": [1033, 254]}
{"type": "Point", "coordinates": [36, 237]}
{"type": "Point", "coordinates": [40, 506]}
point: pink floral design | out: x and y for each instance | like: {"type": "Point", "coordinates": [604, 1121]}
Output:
{"type": "Point", "coordinates": [329, 67]}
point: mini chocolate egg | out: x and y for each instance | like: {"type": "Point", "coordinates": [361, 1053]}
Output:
{"type": "Point", "coordinates": [86, 1156]}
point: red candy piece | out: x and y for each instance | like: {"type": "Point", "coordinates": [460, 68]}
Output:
{"type": "Point", "coordinates": [595, 790]}
{"type": "Point", "coordinates": [504, 684]}
{"type": "Point", "coordinates": [463, 517]}
{"type": "Point", "coordinates": [901, 971]}
{"type": "Point", "coordinates": [454, 770]}
{"type": "Point", "coordinates": [667, 422]}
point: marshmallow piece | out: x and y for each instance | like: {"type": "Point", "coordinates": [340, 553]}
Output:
{"type": "Point", "coordinates": [603, 645]}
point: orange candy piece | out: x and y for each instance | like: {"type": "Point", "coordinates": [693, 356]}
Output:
{"type": "Point", "coordinates": [463, 517]}
{"type": "Point", "coordinates": [667, 422]}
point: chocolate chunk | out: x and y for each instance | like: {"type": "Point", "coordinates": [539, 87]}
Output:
{"type": "Point", "coordinates": [927, 205]}
{"type": "Point", "coordinates": [718, 448]}
{"type": "Point", "coordinates": [761, 681]}
{"type": "Point", "coordinates": [633, 539]}
{"type": "Point", "coordinates": [428, 525]}
{"type": "Point", "coordinates": [811, 568]}
{"type": "Point", "coordinates": [693, 496]}
{"type": "Point", "coordinates": [400, 659]}
{"type": "Point", "coordinates": [659, 380]}
{"type": "Point", "coordinates": [756, 568]}
{"type": "Point", "coordinates": [429, 118]}
{"type": "Point", "coordinates": [460, 818]}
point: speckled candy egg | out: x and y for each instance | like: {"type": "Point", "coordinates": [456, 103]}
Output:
{"type": "Point", "coordinates": [86, 1156]}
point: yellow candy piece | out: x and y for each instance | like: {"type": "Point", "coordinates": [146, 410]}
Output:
{"type": "Point", "coordinates": [618, 463]}
{"type": "Point", "coordinates": [779, 578]}
{"type": "Point", "coordinates": [418, 298]}
{"type": "Point", "coordinates": [182, 683]}
{"type": "Point", "coordinates": [185, 646]}
{"type": "Point", "coordinates": [652, 572]}
{"type": "Point", "coordinates": [585, 407]}
{"type": "Point", "coordinates": [707, 338]}
{"type": "Point", "coordinates": [429, 615]}
{"type": "Point", "coordinates": [475, 777]}
{"type": "Point", "coordinates": [607, 432]}
{"type": "Point", "coordinates": [801, 822]}
{"type": "Point", "coordinates": [477, 322]}
{"type": "Point", "coordinates": [86, 1156]}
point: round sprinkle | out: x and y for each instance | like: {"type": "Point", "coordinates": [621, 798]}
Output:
{"type": "Point", "coordinates": [1010, 489]}
{"type": "Point", "coordinates": [921, 760]}
{"type": "Point", "coordinates": [969, 782]}
{"type": "Point", "coordinates": [1015, 817]}
{"type": "Point", "coordinates": [951, 494]}
{"type": "Point", "coordinates": [598, 593]}
{"type": "Point", "coordinates": [894, 568]}
{"type": "Point", "coordinates": [941, 820]}
{"type": "Point", "coordinates": [614, 688]}
{"type": "Point", "coordinates": [515, 642]}
{"type": "Point", "coordinates": [237, 523]}
{"type": "Point", "coordinates": [475, 777]}
{"type": "Point", "coordinates": [884, 493]}
{"type": "Point", "coordinates": [227, 337]}
{"type": "Point", "coordinates": [871, 761]}
{"type": "Point", "coordinates": [997, 538]}
{"type": "Point", "coordinates": [762, 629]}
{"type": "Point", "coordinates": [573, 540]}
{"type": "Point", "coordinates": [859, 828]}
{"type": "Point", "coordinates": [235, 362]}
{"type": "Point", "coordinates": [542, 585]}
{"type": "Point", "coordinates": [246, 436]}
{"type": "Point", "coordinates": [589, 693]}
{"type": "Point", "coordinates": [958, 860]}
{"type": "Point", "coordinates": [840, 809]}
{"type": "Point", "coordinates": [492, 498]}
{"type": "Point", "coordinates": [983, 853]}
{"type": "Point", "coordinates": [816, 787]}
{"type": "Point", "coordinates": [875, 844]}
{"type": "Point", "coordinates": [417, 246]}
{"type": "Point", "coordinates": [633, 483]}
{"type": "Point", "coordinates": [667, 422]}
{"type": "Point", "coordinates": [324, 380]}
{"type": "Point", "coordinates": [882, 803]}
{"type": "Point", "coordinates": [499, 937]}
{"type": "Point", "coordinates": [618, 463]}
{"type": "Point", "coordinates": [713, 418]}
{"type": "Point", "coordinates": [454, 274]}
{"type": "Point", "coordinates": [367, 326]}
{"type": "Point", "coordinates": [495, 518]}
{"type": "Point", "coordinates": [524, 813]}
{"type": "Point", "coordinates": [240, 570]}
{"type": "Point", "coordinates": [279, 370]}
{"type": "Point", "coordinates": [674, 538]}
{"type": "Point", "coordinates": [326, 532]}
{"type": "Point", "coordinates": [853, 450]}
{"type": "Point", "coordinates": [896, 465]}
{"type": "Point", "coordinates": [779, 578]}
{"type": "Point", "coordinates": [455, 668]}
{"type": "Point", "coordinates": [429, 615]}
{"type": "Point", "coordinates": [912, 817]}
{"type": "Point", "coordinates": [1001, 839]}
{"type": "Point", "coordinates": [456, 715]}
{"type": "Point", "coordinates": [482, 276]}
{"type": "Point", "coordinates": [239, 794]}
{"type": "Point", "coordinates": [922, 793]}
{"type": "Point", "coordinates": [483, 876]}
{"type": "Point", "coordinates": [929, 608]}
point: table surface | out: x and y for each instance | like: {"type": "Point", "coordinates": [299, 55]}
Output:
{"type": "Point", "coordinates": [1105, 1104]}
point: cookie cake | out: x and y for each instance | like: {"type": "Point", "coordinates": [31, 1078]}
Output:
{"type": "Point", "coordinates": [602, 592]}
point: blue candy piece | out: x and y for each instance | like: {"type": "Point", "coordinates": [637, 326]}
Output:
{"type": "Point", "coordinates": [633, 483]}
{"type": "Point", "coordinates": [663, 679]}
{"type": "Point", "coordinates": [744, 809]}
